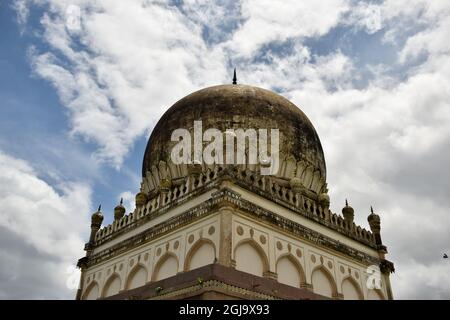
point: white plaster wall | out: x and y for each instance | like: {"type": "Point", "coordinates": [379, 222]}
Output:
{"type": "Point", "coordinates": [172, 213]}
{"type": "Point", "coordinates": [112, 287]}
{"type": "Point", "coordinates": [349, 290]}
{"type": "Point", "coordinates": [272, 242]}
{"type": "Point", "coordinates": [288, 273]}
{"type": "Point", "coordinates": [93, 293]}
{"type": "Point", "coordinates": [177, 243]}
{"type": "Point", "coordinates": [167, 269]}
{"type": "Point", "coordinates": [321, 284]}
{"type": "Point", "coordinates": [248, 260]}
{"type": "Point", "coordinates": [203, 256]}
{"type": "Point", "coordinates": [310, 256]}
{"type": "Point", "coordinates": [373, 295]}
{"type": "Point", "coordinates": [284, 212]}
{"type": "Point", "coordinates": [138, 278]}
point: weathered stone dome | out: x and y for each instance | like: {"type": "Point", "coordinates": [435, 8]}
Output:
{"type": "Point", "coordinates": [242, 106]}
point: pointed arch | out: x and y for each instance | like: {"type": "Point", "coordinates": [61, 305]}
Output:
{"type": "Point", "coordinates": [195, 249]}
{"type": "Point", "coordinates": [288, 278]}
{"type": "Point", "coordinates": [137, 277]}
{"type": "Point", "coordinates": [252, 252]}
{"type": "Point", "coordinates": [351, 289]}
{"type": "Point", "coordinates": [91, 292]}
{"type": "Point", "coordinates": [375, 294]}
{"type": "Point", "coordinates": [323, 282]}
{"type": "Point", "coordinates": [167, 266]}
{"type": "Point", "coordinates": [112, 286]}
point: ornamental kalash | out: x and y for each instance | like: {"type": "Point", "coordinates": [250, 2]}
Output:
{"type": "Point", "coordinates": [237, 211]}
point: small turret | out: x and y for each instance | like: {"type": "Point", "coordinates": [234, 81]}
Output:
{"type": "Point", "coordinates": [119, 210]}
{"type": "Point", "coordinates": [348, 213]}
{"type": "Point", "coordinates": [96, 223]}
{"type": "Point", "coordinates": [375, 226]}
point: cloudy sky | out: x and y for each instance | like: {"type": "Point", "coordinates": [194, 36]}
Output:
{"type": "Point", "coordinates": [79, 98]}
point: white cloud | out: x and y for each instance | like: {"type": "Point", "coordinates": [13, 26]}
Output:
{"type": "Point", "coordinates": [433, 41]}
{"type": "Point", "coordinates": [367, 16]}
{"type": "Point", "coordinates": [128, 200]}
{"type": "Point", "coordinates": [43, 232]}
{"type": "Point", "coordinates": [122, 76]}
{"type": "Point", "coordinates": [22, 11]}
{"type": "Point", "coordinates": [266, 21]}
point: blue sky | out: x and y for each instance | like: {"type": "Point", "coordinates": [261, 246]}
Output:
{"type": "Point", "coordinates": [35, 126]}
{"type": "Point", "coordinates": [78, 103]}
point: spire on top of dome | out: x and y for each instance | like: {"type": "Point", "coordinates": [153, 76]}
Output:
{"type": "Point", "coordinates": [234, 77]}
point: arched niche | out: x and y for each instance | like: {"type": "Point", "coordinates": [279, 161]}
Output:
{"type": "Point", "coordinates": [375, 294]}
{"type": "Point", "coordinates": [167, 266]}
{"type": "Point", "coordinates": [112, 286]}
{"type": "Point", "coordinates": [323, 282]}
{"type": "Point", "coordinates": [91, 292]}
{"type": "Point", "coordinates": [202, 253]}
{"type": "Point", "coordinates": [250, 258]}
{"type": "Point", "coordinates": [290, 272]}
{"type": "Point", "coordinates": [351, 289]}
{"type": "Point", "coordinates": [137, 277]}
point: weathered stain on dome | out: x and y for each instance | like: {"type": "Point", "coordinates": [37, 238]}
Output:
{"type": "Point", "coordinates": [238, 106]}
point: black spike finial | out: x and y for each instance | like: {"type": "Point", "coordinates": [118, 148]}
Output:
{"type": "Point", "coordinates": [371, 209]}
{"type": "Point", "coordinates": [234, 77]}
{"type": "Point", "coordinates": [99, 207]}
{"type": "Point", "coordinates": [346, 203]}
{"type": "Point", "coordinates": [121, 200]}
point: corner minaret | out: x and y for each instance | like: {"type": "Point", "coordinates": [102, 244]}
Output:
{"type": "Point", "coordinates": [375, 226]}
{"type": "Point", "coordinates": [96, 223]}
{"type": "Point", "coordinates": [119, 211]}
{"type": "Point", "coordinates": [348, 213]}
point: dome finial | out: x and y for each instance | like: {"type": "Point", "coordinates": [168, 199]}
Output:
{"type": "Point", "coordinates": [234, 77]}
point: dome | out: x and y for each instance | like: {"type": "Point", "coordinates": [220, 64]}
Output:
{"type": "Point", "coordinates": [242, 106]}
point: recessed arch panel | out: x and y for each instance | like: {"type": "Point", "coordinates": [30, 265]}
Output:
{"type": "Point", "coordinates": [137, 277]}
{"type": "Point", "coordinates": [92, 292]}
{"type": "Point", "coordinates": [250, 258]}
{"type": "Point", "coordinates": [351, 290]}
{"type": "Point", "coordinates": [289, 271]}
{"type": "Point", "coordinates": [112, 286]}
{"type": "Point", "coordinates": [166, 267]}
{"type": "Point", "coordinates": [202, 253]}
{"type": "Point", "coordinates": [323, 283]}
